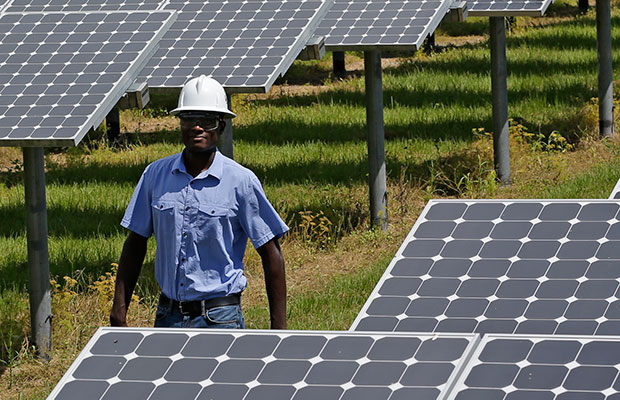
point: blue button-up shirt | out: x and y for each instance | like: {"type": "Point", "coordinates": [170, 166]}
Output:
{"type": "Point", "coordinates": [201, 224]}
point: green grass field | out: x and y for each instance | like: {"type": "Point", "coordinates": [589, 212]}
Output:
{"type": "Point", "coordinates": [309, 150]}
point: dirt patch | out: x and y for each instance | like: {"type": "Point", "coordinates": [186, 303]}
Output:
{"type": "Point", "coordinates": [9, 157]}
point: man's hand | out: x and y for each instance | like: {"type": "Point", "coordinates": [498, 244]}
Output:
{"type": "Point", "coordinates": [118, 316]}
{"type": "Point", "coordinates": [275, 282]}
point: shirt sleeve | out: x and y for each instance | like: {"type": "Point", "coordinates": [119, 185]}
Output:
{"type": "Point", "coordinates": [258, 218]}
{"type": "Point", "coordinates": [138, 217]}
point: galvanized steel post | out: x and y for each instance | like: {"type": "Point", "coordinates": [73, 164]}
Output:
{"type": "Point", "coordinates": [376, 139]}
{"type": "Point", "coordinates": [338, 64]}
{"type": "Point", "coordinates": [113, 127]}
{"type": "Point", "coordinates": [225, 142]}
{"type": "Point", "coordinates": [499, 88]}
{"type": "Point", "coordinates": [38, 257]}
{"type": "Point", "coordinates": [605, 71]}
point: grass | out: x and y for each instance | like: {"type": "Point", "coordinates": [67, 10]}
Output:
{"type": "Point", "coordinates": [307, 144]}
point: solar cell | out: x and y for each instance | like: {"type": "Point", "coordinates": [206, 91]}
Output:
{"type": "Point", "coordinates": [505, 8]}
{"type": "Point", "coordinates": [132, 363]}
{"type": "Point", "coordinates": [370, 25]}
{"type": "Point", "coordinates": [503, 266]}
{"type": "Point", "coordinates": [615, 194]}
{"type": "Point", "coordinates": [244, 44]}
{"type": "Point", "coordinates": [61, 72]}
{"type": "Point", "coordinates": [81, 5]}
{"type": "Point", "coordinates": [536, 367]}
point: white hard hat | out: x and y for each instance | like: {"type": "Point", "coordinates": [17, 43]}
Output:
{"type": "Point", "coordinates": [203, 94]}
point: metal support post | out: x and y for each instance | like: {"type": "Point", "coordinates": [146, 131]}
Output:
{"type": "Point", "coordinates": [340, 69]}
{"type": "Point", "coordinates": [225, 142]}
{"type": "Point", "coordinates": [429, 44]}
{"type": "Point", "coordinates": [376, 139]}
{"type": "Point", "coordinates": [38, 257]}
{"type": "Point", "coordinates": [499, 89]}
{"type": "Point", "coordinates": [113, 127]}
{"type": "Point", "coordinates": [605, 71]}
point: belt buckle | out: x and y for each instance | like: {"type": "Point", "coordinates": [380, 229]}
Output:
{"type": "Point", "coordinates": [181, 310]}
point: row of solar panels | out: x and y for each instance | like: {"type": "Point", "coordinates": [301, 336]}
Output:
{"type": "Point", "coordinates": [63, 65]}
{"type": "Point", "coordinates": [158, 364]}
{"type": "Point", "coordinates": [540, 279]}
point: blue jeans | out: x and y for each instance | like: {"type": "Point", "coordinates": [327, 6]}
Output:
{"type": "Point", "coordinates": [223, 317]}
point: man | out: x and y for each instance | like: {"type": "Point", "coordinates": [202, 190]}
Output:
{"type": "Point", "coordinates": [202, 207]}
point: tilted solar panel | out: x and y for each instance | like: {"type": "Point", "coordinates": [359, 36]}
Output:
{"type": "Point", "coordinates": [504, 266]}
{"type": "Point", "coordinates": [615, 193]}
{"type": "Point", "coordinates": [380, 24]}
{"type": "Point", "coordinates": [243, 44]}
{"type": "Point", "coordinates": [133, 363]}
{"type": "Point", "coordinates": [534, 367]}
{"type": "Point", "coordinates": [505, 8]}
{"type": "Point", "coordinates": [61, 73]}
{"type": "Point", "coordinates": [83, 5]}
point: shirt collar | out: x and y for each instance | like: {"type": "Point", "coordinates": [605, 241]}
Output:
{"type": "Point", "coordinates": [216, 168]}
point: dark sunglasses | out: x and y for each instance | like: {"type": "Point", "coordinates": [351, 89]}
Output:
{"type": "Point", "coordinates": [206, 123]}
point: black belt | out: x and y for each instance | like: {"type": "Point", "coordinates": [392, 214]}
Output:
{"type": "Point", "coordinates": [198, 307]}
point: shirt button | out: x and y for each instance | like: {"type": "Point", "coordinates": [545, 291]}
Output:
{"type": "Point", "coordinates": [212, 211]}
{"type": "Point", "coordinates": [182, 284]}
{"type": "Point", "coordinates": [161, 206]}
{"type": "Point", "coordinates": [186, 208]}
{"type": "Point", "coordinates": [183, 259]}
{"type": "Point", "coordinates": [184, 234]}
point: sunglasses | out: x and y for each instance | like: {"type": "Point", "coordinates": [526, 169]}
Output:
{"type": "Point", "coordinates": [206, 123]}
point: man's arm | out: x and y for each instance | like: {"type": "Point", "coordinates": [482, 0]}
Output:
{"type": "Point", "coordinates": [275, 282]}
{"type": "Point", "coordinates": [129, 268]}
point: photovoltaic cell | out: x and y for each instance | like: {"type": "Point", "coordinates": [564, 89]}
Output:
{"type": "Point", "coordinates": [513, 266]}
{"type": "Point", "coordinates": [615, 194]}
{"type": "Point", "coordinates": [514, 367]}
{"type": "Point", "coordinates": [61, 73]}
{"type": "Point", "coordinates": [82, 5]}
{"type": "Point", "coordinates": [367, 25]}
{"type": "Point", "coordinates": [243, 44]}
{"type": "Point", "coordinates": [500, 8]}
{"type": "Point", "coordinates": [132, 363]}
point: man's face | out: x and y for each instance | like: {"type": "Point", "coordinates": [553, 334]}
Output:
{"type": "Point", "coordinates": [200, 131]}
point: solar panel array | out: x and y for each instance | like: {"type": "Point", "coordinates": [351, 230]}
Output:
{"type": "Point", "coordinates": [61, 72]}
{"type": "Point", "coordinates": [615, 193]}
{"type": "Point", "coordinates": [515, 266]}
{"type": "Point", "coordinates": [82, 5]}
{"type": "Point", "coordinates": [501, 8]}
{"type": "Point", "coordinates": [542, 368]}
{"type": "Point", "coordinates": [203, 364]}
{"type": "Point", "coordinates": [381, 24]}
{"type": "Point", "coordinates": [244, 44]}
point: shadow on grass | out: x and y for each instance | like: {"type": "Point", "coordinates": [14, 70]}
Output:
{"type": "Point", "coordinates": [15, 274]}
{"type": "Point", "coordinates": [65, 221]}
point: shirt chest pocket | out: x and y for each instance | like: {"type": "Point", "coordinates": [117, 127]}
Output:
{"type": "Point", "coordinates": [163, 215]}
{"type": "Point", "coordinates": [211, 221]}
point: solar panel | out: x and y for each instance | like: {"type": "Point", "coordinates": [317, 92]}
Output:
{"type": "Point", "coordinates": [243, 44]}
{"type": "Point", "coordinates": [507, 367]}
{"type": "Point", "coordinates": [61, 73]}
{"type": "Point", "coordinates": [505, 8]}
{"type": "Point", "coordinates": [615, 194]}
{"type": "Point", "coordinates": [131, 363]}
{"type": "Point", "coordinates": [82, 5]}
{"type": "Point", "coordinates": [3, 4]}
{"type": "Point", "coordinates": [380, 24]}
{"type": "Point", "coordinates": [503, 266]}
